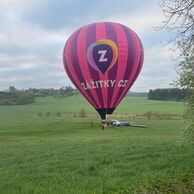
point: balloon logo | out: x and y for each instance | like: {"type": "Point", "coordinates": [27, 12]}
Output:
{"type": "Point", "coordinates": [103, 60]}
{"type": "Point", "coordinates": [102, 55]}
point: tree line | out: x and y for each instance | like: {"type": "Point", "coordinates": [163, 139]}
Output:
{"type": "Point", "coordinates": [63, 91]}
{"type": "Point", "coordinates": [18, 97]}
{"type": "Point", "coordinates": [167, 94]}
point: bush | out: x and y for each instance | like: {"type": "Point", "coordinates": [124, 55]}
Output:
{"type": "Point", "coordinates": [82, 113]}
{"type": "Point", "coordinates": [39, 113]}
{"type": "Point", "coordinates": [48, 114]}
{"type": "Point", "coordinates": [58, 114]}
{"type": "Point", "coordinates": [74, 114]}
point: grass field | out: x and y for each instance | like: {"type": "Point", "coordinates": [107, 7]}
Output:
{"type": "Point", "coordinates": [75, 103]}
{"type": "Point", "coordinates": [56, 155]}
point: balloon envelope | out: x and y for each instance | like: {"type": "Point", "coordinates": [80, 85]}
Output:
{"type": "Point", "coordinates": [103, 60]}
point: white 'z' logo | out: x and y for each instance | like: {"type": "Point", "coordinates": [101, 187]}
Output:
{"type": "Point", "coordinates": [102, 54]}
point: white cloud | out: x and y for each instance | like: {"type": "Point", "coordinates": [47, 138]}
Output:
{"type": "Point", "coordinates": [31, 55]}
{"type": "Point", "coordinates": [18, 67]}
{"type": "Point", "coordinates": [159, 70]}
{"type": "Point", "coordinates": [143, 20]}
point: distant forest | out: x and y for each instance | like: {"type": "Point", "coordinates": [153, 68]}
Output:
{"type": "Point", "coordinates": [167, 94]}
{"type": "Point", "coordinates": [18, 97]}
{"type": "Point", "coordinates": [14, 97]}
{"type": "Point", "coordinates": [63, 91]}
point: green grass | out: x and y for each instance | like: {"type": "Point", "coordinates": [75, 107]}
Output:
{"type": "Point", "coordinates": [142, 105]}
{"type": "Point", "coordinates": [69, 105]}
{"type": "Point", "coordinates": [57, 155]}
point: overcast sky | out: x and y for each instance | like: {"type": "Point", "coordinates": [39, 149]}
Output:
{"type": "Point", "coordinates": [33, 34]}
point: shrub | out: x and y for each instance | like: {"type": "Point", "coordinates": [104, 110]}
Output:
{"type": "Point", "coordinates": [39, 113]}
{"type": "Point", "coordinates": [74, 114]}
{"type": "Point", "coordinates": [48, 114]}
{"type": "Point", "coordinates": [82, 113]}
{"type": "Point", "coordinates": [58, 114]}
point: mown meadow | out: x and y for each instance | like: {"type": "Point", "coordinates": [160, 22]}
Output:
{"type": "Point", "coordinates": [50, 148]}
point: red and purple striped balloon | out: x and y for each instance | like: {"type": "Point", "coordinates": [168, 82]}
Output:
{"type": "Point", "coordinates": [103, 60]}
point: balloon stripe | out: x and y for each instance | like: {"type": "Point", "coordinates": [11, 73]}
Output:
{"type": "Point", "coordinates": [67, 69]}
{"type": "Point", "coordinates": [122, 60]}
{"type": "Point", "coordinates": [70, 71]}
{"type": "Point", "coordinates": [67, 62]}
{"type": "Point", "coordinates": [113, 71]}
{"type": "Point", "coordinates": [75, 69]}
{"type": "Point", "coordinates": [101, 34]}
{"type": "Point", "coordinates": [78, 69]}
{"type": "Point", "coordinates": [140, 63]}
{"type": "Point", "coordinates": [141, 60]}
{"type": "Point", "coordinates": [91, 36]}
{"type": "Point", "coordinates": [128, 65]}
{"type": "Point", "coordinates": [135, 64]}
{"type": "Point", "coordinates": [82, 58]}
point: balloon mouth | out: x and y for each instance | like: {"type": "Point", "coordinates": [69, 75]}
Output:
{"type": "Point", "coordinates": [104, 111]}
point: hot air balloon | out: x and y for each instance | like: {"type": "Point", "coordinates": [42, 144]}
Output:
{"type": "Point", "coordinates": [103, 60]}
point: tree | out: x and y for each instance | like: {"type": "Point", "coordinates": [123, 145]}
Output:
{"type": "Point", "coordinates": [179, 18]}
{"type": "Point", "coordinates": [176, 94]}
{"type": "Point", "coordinates": [186, 79]}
